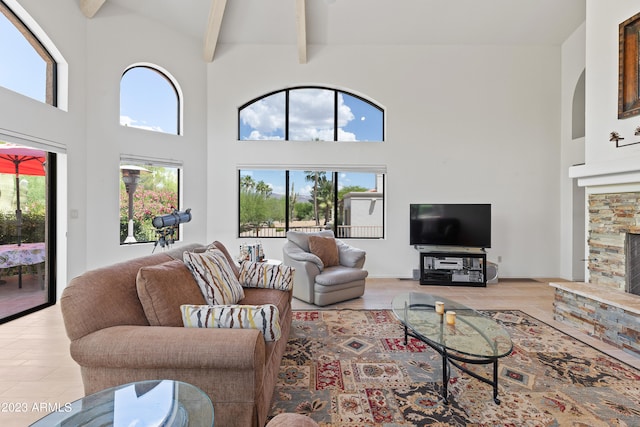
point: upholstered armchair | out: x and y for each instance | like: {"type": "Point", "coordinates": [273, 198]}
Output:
{"type": "Point", "coordinates": [327, 269]}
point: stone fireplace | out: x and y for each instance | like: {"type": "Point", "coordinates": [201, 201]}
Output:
{"type": "Point", "coordinates": [614, 240]}
{"type": "Point", "coordinates": [608, 307]}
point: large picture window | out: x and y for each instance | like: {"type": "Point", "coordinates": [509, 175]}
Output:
{"type": "Point", "coordinates": [351, 203]}
{"type": "Point", "coordinates": [311, 114]}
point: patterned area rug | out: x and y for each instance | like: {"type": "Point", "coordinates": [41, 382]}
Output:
{"type": "Point", "coordinates": [349, 368]}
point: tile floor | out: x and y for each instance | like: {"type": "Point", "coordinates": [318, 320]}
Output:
{"type": "Point", "coordinates": [37, 373]}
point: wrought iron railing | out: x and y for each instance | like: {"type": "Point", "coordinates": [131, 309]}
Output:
{"type": "Point", "coordinates": [343, 232]}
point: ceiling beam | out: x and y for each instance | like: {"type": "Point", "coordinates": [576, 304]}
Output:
{"type": "Point", "coordinates": [301, 27]}
{"type": "Point", "coordinates": [213, 28]}
{"type": "Point", "coordinates": [90, 7]}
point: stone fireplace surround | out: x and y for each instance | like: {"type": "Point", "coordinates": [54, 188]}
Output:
{"type": "Point", "coordinates": [603, 308]}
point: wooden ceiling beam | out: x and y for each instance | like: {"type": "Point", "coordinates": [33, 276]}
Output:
{"type": "Point", "coordinates": [213, 28]}
{"type": "Point", "coordinates": [90, 7]}
{"type": "Point", "coordinates": [301, 27]}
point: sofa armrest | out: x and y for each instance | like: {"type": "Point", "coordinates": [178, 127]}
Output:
{"type": "Point", "coordinates": [160, 347]}
{"type": "Point", "coordinates": [305, 277]}
{"type": "Point", "coordinates": [350, 256]}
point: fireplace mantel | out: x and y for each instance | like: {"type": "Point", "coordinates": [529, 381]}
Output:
{"type": "Point", "coordinates": [607, 173]}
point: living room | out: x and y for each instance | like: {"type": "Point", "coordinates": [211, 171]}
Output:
{"type": "Point", "coordinates": [488, 119]}
{"type": "Point", "coordinates": [515, 105]}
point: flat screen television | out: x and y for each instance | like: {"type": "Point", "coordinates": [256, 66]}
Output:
{"type": "Point", "coordinates": [467, 225]}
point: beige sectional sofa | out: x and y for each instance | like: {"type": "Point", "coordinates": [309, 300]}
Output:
{"type": "Point", "coordinates": [125, 325]}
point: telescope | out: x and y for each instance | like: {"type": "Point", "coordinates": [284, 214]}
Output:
{"type": "Point", "coordinates": [173, 219]}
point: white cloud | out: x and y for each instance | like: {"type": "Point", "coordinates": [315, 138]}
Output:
{"type": "Point", "coordinates": [311, 116]}
{"type": "Point", "coordinates": [129, 122]}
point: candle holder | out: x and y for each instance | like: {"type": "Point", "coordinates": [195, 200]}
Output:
{"type": "Point", "coordinates": [451, 317]}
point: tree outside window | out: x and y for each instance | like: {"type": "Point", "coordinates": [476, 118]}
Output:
{"type": "Point", "coordinates": [350, 203]}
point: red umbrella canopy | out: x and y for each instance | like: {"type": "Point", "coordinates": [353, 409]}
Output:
{"type": "Point", "coordinates": [22, 160]}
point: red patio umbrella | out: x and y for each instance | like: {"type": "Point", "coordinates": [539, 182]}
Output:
{"type": "Point", "coordinates": [20, 160]}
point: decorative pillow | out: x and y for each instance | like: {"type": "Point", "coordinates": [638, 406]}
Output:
{"type": "Point", "coordinates": [214, 277]}
{"type": "Point", "coordinates": [162, 288]}
{"type": "Point", "coordinates": [234, 266]}
{"type": "Point", "coordinates": [326, 249]}
{"type": "Point", "coordinates": [265, 318]}
{"type": "Point", "coordinates": [267, 276]}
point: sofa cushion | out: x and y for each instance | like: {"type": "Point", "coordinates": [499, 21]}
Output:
{"type": "Point", "coordinates": [260, 296]}
{"type": "Point", "coordinates": [265, 275]}
{"type": "Point", "coordinates": [162, 288]}
{"type": "Point", "coordinates": [339, 275]}
{"type": "Point", "coordinates": [265, 318]}
{"type": "Point", "coordinates": [216, 279]}
{"type": "Point", "coordinates": [326, 249]}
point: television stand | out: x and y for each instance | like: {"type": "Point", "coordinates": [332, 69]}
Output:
{"type": "Point", "coordinates": [453, 266]}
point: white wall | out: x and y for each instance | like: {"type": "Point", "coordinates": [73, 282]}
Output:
{"type": "Point", "coordinates": [116, 40]}
{"type": "Point", "coordinates": [572, 198]}
{"type": "Point", "coordinates": [603, 19]}
{"type": "Point", "coordinates": [464, 124]}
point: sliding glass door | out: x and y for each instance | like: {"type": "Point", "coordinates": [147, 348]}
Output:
{"type": "Point", "coordinates": [27, 230]}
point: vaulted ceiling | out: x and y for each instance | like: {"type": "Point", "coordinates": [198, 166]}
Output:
{"type": "Point", "coordinates": [301, 23]}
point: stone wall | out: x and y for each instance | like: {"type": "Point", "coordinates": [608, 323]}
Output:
{"type": "Point", "coordinates": [611, 216]}
{"type": "Point", "coordinates": [611, 316]}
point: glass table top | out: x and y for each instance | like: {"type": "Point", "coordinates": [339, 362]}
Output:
{"type": "Point", "coordinates": [144, 403]}
{"type": "Point", "coordinates": [473, 334]}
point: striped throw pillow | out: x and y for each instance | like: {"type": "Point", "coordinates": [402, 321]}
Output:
{"type": "Point", "coordinates": [267, 276]}
{"type": "Point", "coordinates": [265, 318]}
{"type": "Point", "coordinates": [212, 272]}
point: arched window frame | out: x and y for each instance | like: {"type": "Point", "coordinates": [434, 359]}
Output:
{"type": "Point", "coordinates": [51, 84]}
{"type": "Point", "coordinates": [335, 109]}
{"type": "Point", "coordinates": [173, 84]}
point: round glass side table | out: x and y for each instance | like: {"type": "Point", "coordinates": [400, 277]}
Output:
{"type": "Point", "coordinates": [142, 403]}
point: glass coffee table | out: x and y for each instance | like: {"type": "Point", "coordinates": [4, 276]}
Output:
{"type": "Point", "coordinates": [143, 403]}
{"type": "Point", "coordinates": [474, 338]}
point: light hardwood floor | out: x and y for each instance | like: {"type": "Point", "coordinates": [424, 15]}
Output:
{"type": "Point", "coordinates": [36, 369]}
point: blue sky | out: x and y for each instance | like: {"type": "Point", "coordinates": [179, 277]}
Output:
{"type": "Point", "coordinates": [148, 101]}
{"type": "Point", "coordinates": [25, 72]}
{"type": "Point", "coordinates": [311, 117]}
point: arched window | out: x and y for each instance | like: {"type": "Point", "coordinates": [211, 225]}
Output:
{"type": "Point", "coordinates": [27, 66]}
{"type": "Point", "coordinates": [311, 114]}
{"type": "Point", "coordinates": [150, 99]}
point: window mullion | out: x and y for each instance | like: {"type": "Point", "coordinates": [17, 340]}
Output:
{"type": "Point", "coordinates": [287, 200]}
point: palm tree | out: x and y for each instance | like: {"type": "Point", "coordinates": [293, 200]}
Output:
{"type": "Point", "coordinates": [263, 189]}
{"type": "Point", "coordinates": [315, 177]}
{"type": "Point", "coordinates": [247, 183]}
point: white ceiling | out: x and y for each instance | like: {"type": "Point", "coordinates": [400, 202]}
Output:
{"type": "Point", "coordinates": [349, 22]}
